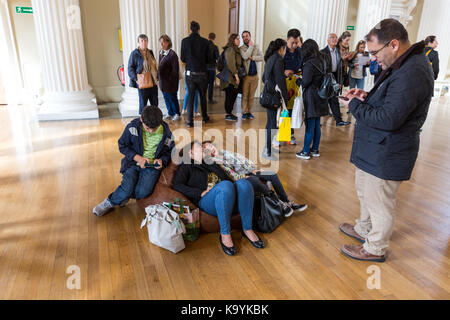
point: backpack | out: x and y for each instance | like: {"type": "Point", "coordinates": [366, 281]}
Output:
{"type": "Point", "coordinates": [329, 88]}
{"type": "Point", "coordinates": [221, 62]}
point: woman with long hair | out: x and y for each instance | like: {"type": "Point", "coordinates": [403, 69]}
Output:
{"type": "Point", "coordinates": [229, 77]}
{"type": "Point", "coordinates": [273, 76]}
{"type": "Point", "coordinates": [315, 107]}
{"type": "Point", "coordinates": [344, 47]}
{"type": "Point", "coordinates": [357, 66]}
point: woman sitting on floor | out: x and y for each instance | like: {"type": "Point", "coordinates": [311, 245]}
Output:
{"type": "Point", "coordinates": [238, 167]}
{"type": "Point", "coordinates": [209, 187]}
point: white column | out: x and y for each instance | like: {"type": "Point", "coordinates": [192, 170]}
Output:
{"type": "Point", "coordinates": [177, 28]}
{"type": "Point", "coordinates": [435, 21]}
{"type": "Point", "coordinates": [326, 16]}
{"type": "Point", "coordinates": [401, 10]}
{"type": "Point", "coordinates": [370, 13]}
{"type": "Point", "coordinates": [251, 18]}
{"type": "Point", "coordinates": [60, 42]}
{"type": "Point", "coordinates": [137, 17]}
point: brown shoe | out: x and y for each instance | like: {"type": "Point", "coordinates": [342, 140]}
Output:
{"type": "Point", "coordinates": [349, 230]}
{"type": "Point", "coordinates": [357, 252]}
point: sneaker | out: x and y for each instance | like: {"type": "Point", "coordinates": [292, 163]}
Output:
{"type": "Point", "coordinates": [250, 116]}
{"type": "Point", "coordinates": [303, 155]}
{"type": "Point", "coordinates": [167, 117]}
{"type": "Point", "coordinates": [103, 208]}
{"type": "Point", "coordinates": [231, 117]}
{"type": "Point", "coordinates": [197, 114]}
{"type": "Point", "coordinates": [297, 207]}
{"type": "Point", "coordinates": [342, 123]}
{"type": "Point", "coordinates": [245, 116]}
{"type": "Point", "coordinates": [315, 154]}
{"type": "Point", "coordinates": [268, 156]}
{"type": "Point", "coordinates": [176, 117]}
{"type": "Point", "coordinates": [287, 210]}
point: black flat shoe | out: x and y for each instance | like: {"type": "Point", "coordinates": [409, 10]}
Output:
{"type": "Point", "coordinates": [231, 251]}
{"type": "Point", "coordinates": [257, 244]}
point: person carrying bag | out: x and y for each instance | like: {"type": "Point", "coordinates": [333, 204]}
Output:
{"type": "Point", "coordinates": [165, 228]}
{"type": "Point", "coordinates": [271, 99]}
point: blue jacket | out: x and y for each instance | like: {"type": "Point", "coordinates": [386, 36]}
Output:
{"type": "Point", "coordinates": [388, 121]}
{"type": "Point", "coordinates": [375, 70]}
{"type": "Point", "coordinates": [131, 143]}
{"type": "Point", "coordinates": [135, 66]}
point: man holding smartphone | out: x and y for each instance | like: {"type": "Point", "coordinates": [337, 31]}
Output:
{"type": "Point", "coordinates": [387, 134]}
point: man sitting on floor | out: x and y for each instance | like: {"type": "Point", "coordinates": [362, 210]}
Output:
{"type": "Point", "coordinates": [147, 144]}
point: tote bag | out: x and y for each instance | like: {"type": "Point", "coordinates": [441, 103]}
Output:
{"type": "Point", "coordinates": [297, 111]}
{"type": "Point", "coordinates": [165, 229]}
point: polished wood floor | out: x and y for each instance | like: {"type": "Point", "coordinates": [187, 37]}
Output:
{"type": "Point", "coordinates": [52, 174]}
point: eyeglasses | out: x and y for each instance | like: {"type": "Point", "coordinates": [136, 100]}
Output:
{"type": "Point", "coordinates": [374, 53]}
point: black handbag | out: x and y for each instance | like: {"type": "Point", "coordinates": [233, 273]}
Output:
{"type": "Point", "coordinates": [267, 212]}
{"type": "Point", "coordinates": [242, 73]}
{"type": "Point", "coordinates": [270, 100]}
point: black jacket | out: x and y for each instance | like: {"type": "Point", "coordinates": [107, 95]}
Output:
{"type": "Point", "coordinates": [274, 75]}
{"type": "Point", "coordinates": [136, 65]}
{"type": "Point", "coordinates": [169, 72]}
{"type": "Point", "coordinates": [131, 143]}
{"type": "Point", "coordinates": [340, 66]}
{"type": "Point", "coordinates": [214, 55]}
{"type": "Point", "coordinates": [192, 179]}
{"type": "Point", "coordinates": [196, 53]}
{"type": "Point", "coordinates": [311, 80]}
{"type": "Point", "coordinates": [433, 56]}
{"type": "Point", "coordinates": [386, 140]}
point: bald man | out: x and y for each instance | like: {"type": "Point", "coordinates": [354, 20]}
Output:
{"type": "Point", "coordinates": [334, 63]}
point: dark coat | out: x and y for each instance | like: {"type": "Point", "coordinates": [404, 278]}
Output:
{"type": "Point", "coordinates": [340, 65]}
{"type": "Point", "coordinates": [351, 64]}
{"type": "Point", "coordinates": [214, 54]}
{"type": "Point", "coordinates": [196, 53]}
{"type": "Point", "coordinates": [131, 143]}
{"type": "Point", "coordinates": [192, 179]}
{"type": "Point", "coordinates": [311, 80]}
{"type": "Point", "coordinates": [274, 75]}
{"type": "Point", "coordinates": [433, 56]}
{"type": "Point", "coordinates": [135, 66]}
{"type": "Point", "coordinates": [169, 72]}
{"type": "Point", "coordinates": [387, 136]}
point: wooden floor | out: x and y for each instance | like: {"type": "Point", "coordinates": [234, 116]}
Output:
{"type": "Point", "coordinates": [52, 174]}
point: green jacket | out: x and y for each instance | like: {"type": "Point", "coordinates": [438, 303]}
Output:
{"type": "Point", "coordinates": [233, 60]}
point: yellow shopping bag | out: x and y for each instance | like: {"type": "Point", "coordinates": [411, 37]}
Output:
{"type": "Point", "coordinates": [284, 129]}
{"type": "Point", "coordinates": [292, 89]}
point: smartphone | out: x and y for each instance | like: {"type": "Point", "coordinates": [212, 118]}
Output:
{"type": "Point", "coordinates": [151, 165]}
{"type": "Point", "coordinates": [343, 98]}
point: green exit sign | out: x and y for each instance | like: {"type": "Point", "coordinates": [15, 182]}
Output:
{"type": "Point", "coordinates": [350, 27]}
{"type": "Point", "coordinates": [24, 10]}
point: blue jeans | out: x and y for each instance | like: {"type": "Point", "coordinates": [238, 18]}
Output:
{"type": "Point", "coordinates": [145, 95]}
{"type": "Point", "coordinates": [196, 100]}
{"type": "Point", "coordinates": [172, 104]}
{"type": "Point", "coordinates": [211, 79]}
{"type": "Point", "coordinates": [356, 83]}
{"type": "Point", "coordinates": [136, 183]}
{"type": "Point", "coordinates": [221, 201]}
{"type": "Point", "coordinates": [312, 134]}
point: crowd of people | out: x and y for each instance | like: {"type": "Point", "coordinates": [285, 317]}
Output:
{"type": "Point", "coordinates": [386, 141]}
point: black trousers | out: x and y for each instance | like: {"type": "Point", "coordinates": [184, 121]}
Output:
{"type": "Point", "coordinates": [271, 126]}
{"type": "Point", "coordinates": [334, 105]}
{"type": "Point", "coordinates": [194, 83]}
{"type": "Point", "coordinates": [231, 94]}
{"type": "Point", "coordinates": [260, 187]}
{"type": "Point", "coordinates": [145, 95]}
{"type": "Point", "coordinates": [211, 79]}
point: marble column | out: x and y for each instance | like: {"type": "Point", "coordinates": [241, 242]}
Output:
{"type": "Point", "coordinates": [67, 94]}
{"type": "Point", "coordinates": [137, 17]}
{"type": "Point", "coordinates": [176, 16]}
{"type": "Point", "coordinates": [326, 16]}
{"type": "Point", "coordinates": [435, 21]}
{"type": "Point", "coordinates": [251, 18]}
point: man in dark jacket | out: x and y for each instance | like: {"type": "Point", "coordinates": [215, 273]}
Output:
{"type": "Point", "coordinates": [386, 141]}
{"type": "Point", "coordinates": [430, 51]}
{"type": "Point", "coordinates": [196, 54]}
{"type": "Point", "coordinates": [147, 144]}
{"type": "Point", "coordinates": [334, 64]}
{"type": "Point", "coordinates": [212, 67]}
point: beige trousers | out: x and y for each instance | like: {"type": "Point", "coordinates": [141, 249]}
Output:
{"type": "Point", "coordinates": [249, 86]}
{"type": "Point", "coordinates": [377, 199]}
